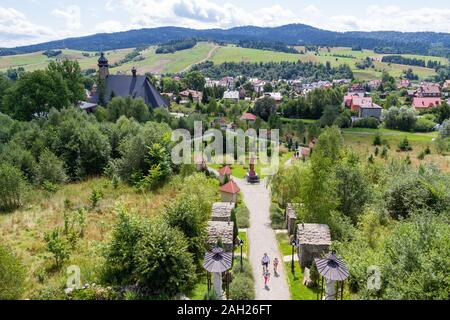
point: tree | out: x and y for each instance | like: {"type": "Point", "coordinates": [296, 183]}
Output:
{"type": "Point", "coordinates": [57, 246]}
{"type": "Point", "coordinates": [195, 80]}
{"type": "Point", "coordinates": [71, 73]}
{"type": "Point", "coordinates": [129, 107]}
{"type": "Point", "coordinates": [35, 93]}
{"type": "Point", "coordinates": [50, 168]}
{"type": "Point", "coordinates": [264, 107]}
{"type": "Point", "coordinates": [12, 275]}
{"type": "Point", "coordinates": [330, 114]}
{"type": "Point", "coordinates": [13, 187]}
{"type": "Point", "coordinates": [164, 265]}
{"type": "Point", "coordinates": [399, 118]}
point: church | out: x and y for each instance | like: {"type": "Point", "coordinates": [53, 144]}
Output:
{"type": "Point", "coordinates": [134, 86]}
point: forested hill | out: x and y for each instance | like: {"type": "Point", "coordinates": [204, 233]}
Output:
{"type": "Point", "coordinates": [293, 34]}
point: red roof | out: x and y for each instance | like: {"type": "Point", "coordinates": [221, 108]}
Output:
{"type": "Point", "coordinates": [426, 102]}
{"type": "Point", "coordinates": [248, 116]}
{"type": "Point", "coordinates": [231, 187]}
{"type": "Point", "coordinates": [225, 171]}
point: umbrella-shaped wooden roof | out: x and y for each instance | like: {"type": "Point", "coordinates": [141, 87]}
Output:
{"type": "Point", "coordinates": [332, 268]}
{"type": "Point", "coordinates": [217, 261]}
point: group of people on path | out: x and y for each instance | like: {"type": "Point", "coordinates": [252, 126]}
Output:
{"type": "Point", "coordinates": [265, 261]}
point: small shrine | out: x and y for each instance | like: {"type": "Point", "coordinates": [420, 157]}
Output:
{"type": "Point", "coordinates": [252, 177]}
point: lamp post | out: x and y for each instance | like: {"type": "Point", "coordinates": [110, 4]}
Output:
{"type": "Point", "coordinates": [293, 243]}
{"type": "Point", "coordinates": [241, 243]}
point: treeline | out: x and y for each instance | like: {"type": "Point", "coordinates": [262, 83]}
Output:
{"type": "Point", "coordinates": [274, 70]}
{"type": "Point", "coordinates": [411, 61]}
{"type": "Point", "coordinates": [176, 45]}
{"type": "Point", "coordinates": [52, 53]}
{"type": "Point", "coordinates": [266, 45]}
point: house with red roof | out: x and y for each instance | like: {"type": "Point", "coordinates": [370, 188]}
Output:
{"type": "Point", "coordinates": [224, 173]}
{"type": "Point", "coordinates": [249, 117]}
{"type": "Point", "coordinates": [428, 91]}
{"type": "Point", "coordinates": [229, 192]}
{"type": "Point", "coordinates": [426, 102]}
{"type": "Point", "coordinates": [358, 102]}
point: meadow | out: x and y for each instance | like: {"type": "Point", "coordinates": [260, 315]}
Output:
{"type": "Point", "coordinates": [182, 60]}
{"type": "Point", "coordinates": [24, 229]}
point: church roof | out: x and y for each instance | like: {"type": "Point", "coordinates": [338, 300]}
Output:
{"type": "Point", "coordinates": [132, 86]}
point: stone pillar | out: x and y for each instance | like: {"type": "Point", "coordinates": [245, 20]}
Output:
{"type": "Point", "coordinates": [217, 282]}
{"type": "Point", "coordinates": [330, 290]}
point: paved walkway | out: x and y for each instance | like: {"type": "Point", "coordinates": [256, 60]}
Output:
{"type": "Point", "coordinates": [262, 240]}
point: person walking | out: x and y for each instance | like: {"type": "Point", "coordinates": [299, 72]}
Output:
{"type": "Point", "coordinates": [265, 262]}
{"type": "Point", "coordinates": [275, 266]}
{"type": "Point", "coordinates": [266, 279]}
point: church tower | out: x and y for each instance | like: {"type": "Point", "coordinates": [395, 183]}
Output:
{"type": "Point", "coordinates": [103, 67]}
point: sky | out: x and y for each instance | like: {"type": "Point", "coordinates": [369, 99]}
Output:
{"type": "Point", "coordinates": [24, 22]}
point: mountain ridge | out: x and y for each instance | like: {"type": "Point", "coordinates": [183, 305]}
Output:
{"type": "Point", "coordinates": [433, 43]}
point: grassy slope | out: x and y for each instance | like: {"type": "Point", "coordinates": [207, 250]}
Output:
{"type": "Point", "coordinates": [361, 141]}
{"type": "Point", "coordinates": [181, 60]}
{"type": "Point", "coordinates": [24, 229]}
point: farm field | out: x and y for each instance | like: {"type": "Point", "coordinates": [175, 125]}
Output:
{"type": "Point", "coordinates": [182, 60]}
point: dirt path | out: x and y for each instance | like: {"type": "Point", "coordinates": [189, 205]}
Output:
{"type": "Point", "coordinates": [208, 57]}
{"type": "Point", "coordinates": [262, 240]}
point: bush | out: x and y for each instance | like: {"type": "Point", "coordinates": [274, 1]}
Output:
{"type": "Point", "coordinates": [404, 145]}
{"type": "Point", "coordinates": [369, 122]}
{"type": "Point", "coordinates": [377, 139]}
{"type": "Point", "coordinates": [277, 217]}
{"type": "Point", "coordinates": [164, 265]}
{"type": "Point", "coordinates": [243, 219]}
{"type": "Point", "coordinates": [424, 125]}
{"type": "Point", "coordinates": [246, 267]}
{"type": "Point", "coordinates": [12, 275]}
{"type": "Point", "coordinates": [13, 187]}
{"type": "Point", "coordinates": [50, 168]}
{"type": "Point", "coordinates": [242, 288]}
{"type": "Point", "coordinates": [57, 246]}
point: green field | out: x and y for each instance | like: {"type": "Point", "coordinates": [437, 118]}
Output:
{"type": "Point", "coordinates": [182, 60]}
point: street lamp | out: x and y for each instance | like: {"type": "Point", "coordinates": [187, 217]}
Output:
{"type": "Point", "coordinates": [293, 243]}
{"type": "Point", "coordinates": [241, 243]}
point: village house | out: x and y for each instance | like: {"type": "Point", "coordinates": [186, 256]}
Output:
{"type": "Point", "coordinates": [275, 96]}
{"type": "Point", "coordinates": [231, 95]}
{"type": "Point", "coordinates": [423, 103]}
{"type": "Point", "coordinates": [370, 110]}
{"type": "Point", "coordinates": [221, 211]}
{"type": "Point", "coordinates": [187, 94]}
{"type": "Point", "coordinates": [250, 118]}
{"type": "Point", "coordinates": [134, 86]}
{"type": "Point", "coordinates": [403, 83]}
{"type": "Point", "coordinates": [446, 85]}
{"type": "Point", "coordinates": [356, 88]}
{"type": "Point", "coordinates": [357, 102]}
{"type": "Point", "coordinates": [229, 192]}
{"type": "Point", "coordinates": [428, 91]}
{"type": "Point", "coordinates": [220, 231]}
{"type": "Point", "coordinates": [313, 240]}
{"type": "Point", "coordinates": [374, 84]}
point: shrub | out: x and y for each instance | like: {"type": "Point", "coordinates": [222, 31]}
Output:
{"type": "Point", "coordinates": [50, 168]}
{"type": "Point", "coordinates": [13, 187]}
{"type": "Point", "coordinates": [211, 295]}
{"type": "Point", "coordinates": [246, 268]}
{"type": "Point", "coordinates": [424, 125]}
{"type": "Point", "coordinates": [242, 288]}
{"type": "Point", "coordinates": [404, 145]}
{"type": "Point", "coordinates": [243, 219]}
{"type": "Point", "coordinates": [369, 122]}
{"type": "Point", "coordinates": [96, 196]}
{"type": "Point", "coordinates": [377, 139]}
{"type": "Point", "coordinates": [12, 275]}
{"type": "Point", "coordinates": [164, 264]}
{"type": "Point", "coordinates": [276, 217]}
{"type": "Point", "coordinates": [57, 246]}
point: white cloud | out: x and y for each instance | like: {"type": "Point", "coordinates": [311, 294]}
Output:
{"type": "Point", "coordinates": [72, 16]}
{"type": "Point", "coordinates": [15, 28]}
{"type": "Point", "coordinates": [109, 26]}
{"type": "Point", "coordinates": [393, 18]}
